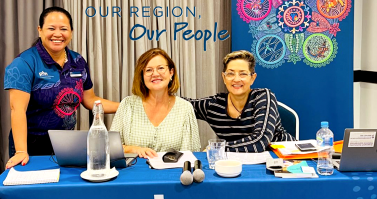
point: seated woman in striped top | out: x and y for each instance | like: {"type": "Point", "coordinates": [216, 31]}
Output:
{"type": "Point", "coordinates": [248, 119]}
{"type": "Point", "coordinates": [154, 119]}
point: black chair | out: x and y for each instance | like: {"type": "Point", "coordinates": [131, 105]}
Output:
{"type": "Point", "coordinates": [289, 119]}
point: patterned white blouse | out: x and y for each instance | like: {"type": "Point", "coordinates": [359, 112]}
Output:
{"type": "Point", "coordinates": [179, 129]}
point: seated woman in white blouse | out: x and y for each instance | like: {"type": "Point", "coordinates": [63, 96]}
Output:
{"type": "Point", "coordinates": [154, 119]}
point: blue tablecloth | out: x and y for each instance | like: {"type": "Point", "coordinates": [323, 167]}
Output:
{"type": "Point", "coordinates": [139, 181]}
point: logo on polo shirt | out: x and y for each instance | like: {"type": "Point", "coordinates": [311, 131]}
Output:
{"type": "Point", "coordinates": [45, 75]}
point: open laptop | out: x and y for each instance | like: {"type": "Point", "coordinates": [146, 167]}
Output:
{"type": "Point", "coordinates": [359, 151]}
{"type": "Point", "coordinates": [70, 148]}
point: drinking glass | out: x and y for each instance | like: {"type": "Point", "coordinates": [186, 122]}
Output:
{"type": "Point", "coordinates": [215, 151]}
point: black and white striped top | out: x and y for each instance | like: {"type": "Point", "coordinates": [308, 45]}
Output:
{"type": "Point", "coordinates": [259, 124]}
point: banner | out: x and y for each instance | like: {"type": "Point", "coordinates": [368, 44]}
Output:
{"type": "Point", "coordinates": [304, 54]}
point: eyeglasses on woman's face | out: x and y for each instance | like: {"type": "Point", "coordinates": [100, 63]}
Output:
{"type": "Point", "coordinates": [231, 75]}
{"type": "Point", "coordinates": [161, 69]}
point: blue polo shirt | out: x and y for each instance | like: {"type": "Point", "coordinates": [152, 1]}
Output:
{"type": "Point", "coordinates": [55, 92]}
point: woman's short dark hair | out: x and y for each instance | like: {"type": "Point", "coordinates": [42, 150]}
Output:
{"type": "Point", "coordinates": [243, 55]}
{"type": "Point", "coordinates": [54, 9]}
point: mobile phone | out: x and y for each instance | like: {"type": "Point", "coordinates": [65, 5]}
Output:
{"type": "Point", "coordinates": [306, 147]}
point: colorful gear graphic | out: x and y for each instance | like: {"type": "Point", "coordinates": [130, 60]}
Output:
{"type": "Point", "coordinates": [294, 30]}
{"type": "Point", "coordinates": [319, 50]}
{"type": "Point", "coordinates": [67, 102]}
{"type": "Point", "coordinates": [270, 51]}
{"type": "Point", "coordinates": [253, 9]}
{"type": "Point", "coordinates": [334, 8]}
{"type": "Point", "coordinates": [294, 16]}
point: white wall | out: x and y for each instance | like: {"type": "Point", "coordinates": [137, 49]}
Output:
{"type": "Point", "coordinates": [357, 60]}
{"type": "Point", "coordinates": [368, 105]}
{"type": "Point", "coordinates": [365, 58]}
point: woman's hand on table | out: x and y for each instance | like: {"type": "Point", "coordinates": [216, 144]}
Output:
{"type": "Point", "coordinates": [145, 152]}
{"type": "Point", "coordinates": [19, 158]}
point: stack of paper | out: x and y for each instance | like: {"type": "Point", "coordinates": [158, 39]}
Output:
{"type": "Point", "coordinates": [289, 148]}
{"type": "Point", "coordinates": [31, 177]}
{"type": "Point", "coordinates": [296, 169]}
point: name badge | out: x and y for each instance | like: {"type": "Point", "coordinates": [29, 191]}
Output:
{"type": "Point", "coordinates": [75, 74]}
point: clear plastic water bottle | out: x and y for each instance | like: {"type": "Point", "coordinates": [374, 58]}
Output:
{"type": "Point", "coordinates": [98, 154]}
{"type": "Point", "coordinates": [325, 140]}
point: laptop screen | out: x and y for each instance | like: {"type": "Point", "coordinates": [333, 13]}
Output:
{"type": "Point", "coordinates": [70, 148]}
{"type": "Point", "coordinates": [359, 151]}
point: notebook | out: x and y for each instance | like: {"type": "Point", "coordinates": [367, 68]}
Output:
{"type": "Point", "coordinates": [70, 148]}
{"type": "Point", "coordinates": [31, 177]}
{"type": "Point", "coordinates": [359, 151]}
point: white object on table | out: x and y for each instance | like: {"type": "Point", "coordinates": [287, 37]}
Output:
{"type": "Point", "coordinates": [249, 158]}
{"type": "Point", "coordinates": [228, 168]}
{"type": "Point", "coordinates": [15, 177]}
{"type": "Point", "coordinates": [291, 149]}
{"type": "Point", "coordinates": [111, 173]}
{"type": "Point", "coordinates": [158, 163]}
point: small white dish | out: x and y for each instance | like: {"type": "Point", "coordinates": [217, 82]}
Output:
{"type": "Point", "coordinates": [228, 168]}
{"type": "Point", "coordinates": [112, 174]}
{"type": "Point", "coordinates": [228, 175]}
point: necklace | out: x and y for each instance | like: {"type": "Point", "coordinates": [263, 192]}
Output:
{"type": "Point", "coordinates": [65, 56]}
{"type": "Point", "coordinates": [239, 116]}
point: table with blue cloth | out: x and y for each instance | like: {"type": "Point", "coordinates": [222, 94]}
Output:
{"type": "Point", "coordinates": [139, 181]}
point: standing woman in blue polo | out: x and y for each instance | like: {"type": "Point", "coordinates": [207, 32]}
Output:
{"type": "Point", "coordinates": [46, 85]}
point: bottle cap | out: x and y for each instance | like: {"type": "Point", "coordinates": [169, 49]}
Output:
{"type": "Point", "coordinates": [97, 107]}
{"type": "Point", "coordinates": [325, 124]}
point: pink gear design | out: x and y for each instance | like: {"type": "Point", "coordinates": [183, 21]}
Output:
{"type": "Point", "coordinates": [253, 10]}
{"type": "Point", "coordinates": [66, 102]}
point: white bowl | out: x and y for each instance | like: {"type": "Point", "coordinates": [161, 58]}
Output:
{"type": "Point", "coordinates": [228, 168]}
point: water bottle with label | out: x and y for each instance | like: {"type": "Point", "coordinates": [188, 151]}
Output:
{"type": "Point", "coordinates": [325, 139]}
{"type": "Point", "coordinates": [98, 154]}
